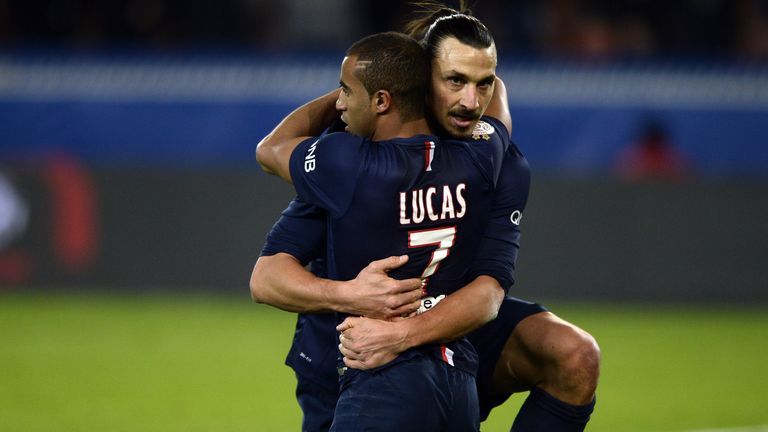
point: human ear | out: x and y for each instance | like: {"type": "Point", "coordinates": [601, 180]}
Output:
{"type": "Point", "coordinates": [382, 100]}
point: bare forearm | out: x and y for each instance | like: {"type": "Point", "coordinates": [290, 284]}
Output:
{"type": "Point", "coordinates": [368, 343]}
{"type": "Point", "coordinates": [457, 314]}
{"type": "Point", "coordinates": [274, 151]}
{"type": "Point", "coordinates": [499, 107]}
{"type": "Point", "coordinates": [281, 281]}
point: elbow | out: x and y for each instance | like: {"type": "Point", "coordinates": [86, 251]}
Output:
{"type": "Point", "coordinates": [257, 284]}
{"type": "Point", "coordinates": [264, 155]}
{"type": "Point", "coordinates": [495, 299]}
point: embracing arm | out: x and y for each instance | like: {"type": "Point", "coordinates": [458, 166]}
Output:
{"type": "Point", "coordinates": [274, 151]}
{"type": "Point", "coordinates": [498, 108]}
{"type": "Point", "coordinates": [460, 313]}
{"type": "Point", "coordinates": [298, 237]}
{"type": "Point", "coordinates": [368, 343]}
{"type": "Point", "coordinates": [281, 281]}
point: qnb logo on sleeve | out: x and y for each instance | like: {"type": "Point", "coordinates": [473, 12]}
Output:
{"type": "Point", "coordinates": [428, 303]}
{"type": "Point", "coordinates": [515, 217]}
{"type": "Point", "coordinates": [309, 159]}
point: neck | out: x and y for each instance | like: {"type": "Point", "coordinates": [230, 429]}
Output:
{"type": "Point", "coordinates": [390, 126]}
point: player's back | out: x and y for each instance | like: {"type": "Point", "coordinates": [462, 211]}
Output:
{"type": "Point", "coordinates": [419, 196]}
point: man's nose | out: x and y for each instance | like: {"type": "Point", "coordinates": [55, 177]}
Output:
{"type": "Point", "coordinates": [469, 99]}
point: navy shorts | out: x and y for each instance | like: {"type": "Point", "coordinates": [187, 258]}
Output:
{"type": "Point", "coordinates": [421, 394]}
{"type": "Point", "coordinates": [317, 404]}
{"type": "Point", "coordinates": [489, 341]}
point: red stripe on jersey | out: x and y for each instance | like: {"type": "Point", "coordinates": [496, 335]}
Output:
{"type": "Point", "coordinates": [447, 354]}
{"type": "Point", "coordinates": [429, 154]}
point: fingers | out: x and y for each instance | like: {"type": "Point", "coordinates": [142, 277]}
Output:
{"type": "Point", "coordinates": [367, 362]}
{"type": "Point", "coordinates": [405, 303]}
{"type": "Point", "coordinates": [347, 352]}
{"type": "Point", "coordinates": [350, 355]}
{"type": "Point", "coordinates": [348, 323]}
{"type": "Point", "coordinates": [388, 264]}
{"type": "Point", "coordinates": [407, 309]}
{"type": "Point", "coordinates": [409, 298]}
{"type": "Point", "coordinates": [355, 364]}
{"type": "Point", "coordinates": [413, 284]}
{"type": "Point", "coordinates": [354, 359]}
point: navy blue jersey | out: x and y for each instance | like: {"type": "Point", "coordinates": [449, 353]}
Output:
{"type": "Point", "coordinates": [301, 233]}
{"type": "Point", "coordinates": [419, 196]}
{"type": "Point", "coordinates": [500, 243]}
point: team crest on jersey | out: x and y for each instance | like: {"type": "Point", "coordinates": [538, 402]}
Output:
{"type": "Point", "coordinates": [483, 131]}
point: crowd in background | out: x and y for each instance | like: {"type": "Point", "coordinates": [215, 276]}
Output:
{"type": "Point", "coordinates": [593, 29]}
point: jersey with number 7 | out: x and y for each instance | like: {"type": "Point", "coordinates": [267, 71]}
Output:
{"type": "Point", "coordinates": [421, 196]}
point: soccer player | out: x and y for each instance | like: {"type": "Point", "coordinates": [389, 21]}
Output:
{"type": "Point", "coordinates": [389, 195]}
{"type": "Point", "coordinates": [525, 348]}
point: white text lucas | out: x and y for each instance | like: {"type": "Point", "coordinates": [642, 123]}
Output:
{"type": "Point", "coordinates": [420, 204]}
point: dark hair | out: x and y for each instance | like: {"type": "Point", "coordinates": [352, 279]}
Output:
{"type": "Point", "coordinates": [436, 22]}
{"type": "Point", "coordinates": [398, 64]}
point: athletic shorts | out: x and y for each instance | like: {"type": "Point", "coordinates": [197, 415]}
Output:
{"type": "Point", "coordinates": [489, 341]}
{"type": "Point", "coordinates": [421, 394]}
{"type": "Point", "coordinates": [317, 404]}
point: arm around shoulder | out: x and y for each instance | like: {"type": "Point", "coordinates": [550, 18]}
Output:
{"type": "Point", "coordinates": [274, 151]}
{"type": "Point", "coordinates": [281, 281]}
{"type": "Point", "coordinates": [498, 108]}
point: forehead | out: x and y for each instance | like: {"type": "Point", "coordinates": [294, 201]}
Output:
{"type": "Point", "coordinates": [350, 66]}
{"type": "Point", "coordinates": [453, 55]}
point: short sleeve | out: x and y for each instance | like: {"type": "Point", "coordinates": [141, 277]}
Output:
{"type": "Point", "coordinates": [300, 232]}
{"type": "Point", "coordinates": [498, 250]}
{"type": "Point", "coordinates": [325, 170]}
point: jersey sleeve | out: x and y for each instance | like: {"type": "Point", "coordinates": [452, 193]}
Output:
{"type": "Point", "coordinates": [324, 170]}
{"type": "Point", "coordinates": [300, 232]}
{"type": "Point", "coordinates": [500, 243]}
{"type": "Point", "coordinates": [500, 129]}
{"type": "Point", "coordinates": [489, 142]}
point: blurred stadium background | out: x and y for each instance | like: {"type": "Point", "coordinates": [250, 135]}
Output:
{"type": "Point", "coordinates": [132, 210]}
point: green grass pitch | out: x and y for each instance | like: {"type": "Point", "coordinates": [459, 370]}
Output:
{"type": "Point", "coordinates": [215, 363]}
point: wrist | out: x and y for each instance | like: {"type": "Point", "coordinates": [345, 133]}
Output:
{"type": "Point", "coordinates": [409, 335]}
{"type": "Point", "coordinates": [338, 297]}
{"type": "Point", "coordinates": [332, 295]}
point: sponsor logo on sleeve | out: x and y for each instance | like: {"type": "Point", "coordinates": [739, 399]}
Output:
{"type": "Point", "coordinates": [483, 131]}
{"type": "Point", "coordinates": [309, 159]}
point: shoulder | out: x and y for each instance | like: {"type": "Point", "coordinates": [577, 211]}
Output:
{"type": "Point", "coordinates": [489, 135]}
{"type": "Point", "coordinates": [331, 151]}
{"type": "Point", "coordinates": [335, 142]}
{"type": "Point", "coordinates": [515, 166]}
{"type": "Point", "coordinates": [490, 127]}
{"type": "Point", "coordinates": [515, 155]}
{"type": "Point", "coordinates": [491, 130]}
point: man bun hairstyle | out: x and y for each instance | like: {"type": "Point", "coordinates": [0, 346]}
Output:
{"type": "Point", "coordinates": [436, 22]}
{"type": "Point", "coordinates": [397, 63]}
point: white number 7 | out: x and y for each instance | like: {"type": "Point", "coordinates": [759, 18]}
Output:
{"type": "Point", "coordinates": [441, 237]}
